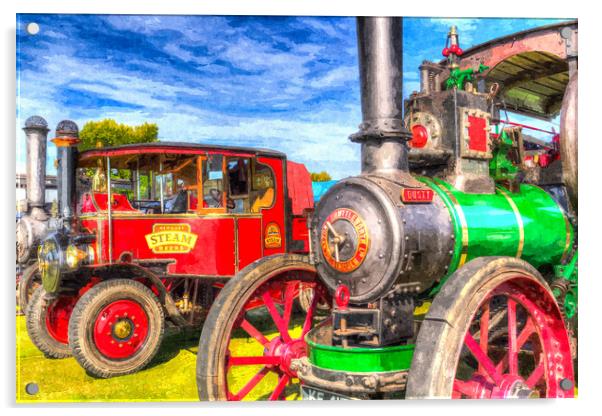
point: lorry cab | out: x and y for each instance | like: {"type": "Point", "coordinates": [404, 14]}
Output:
{"type": "Point", "coordinates": [202, 210]}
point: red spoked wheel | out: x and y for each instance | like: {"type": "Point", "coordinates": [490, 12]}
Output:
{"type": "Point", "coordinates": [121, 329]}
{"type": "Point", "coordinates": [254, 331]}
{"type": "Point", "coordinates": [516, 349]}
{"type": "Point", "coordinates": [494, 331]}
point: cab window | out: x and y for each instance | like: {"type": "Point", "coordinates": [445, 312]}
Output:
{"type": "Point", "coordinates": [238, 184]}
{"type": "Point", "coordinates": [262, 191]}
{"type": "Point", "coordinates": [213, 182]}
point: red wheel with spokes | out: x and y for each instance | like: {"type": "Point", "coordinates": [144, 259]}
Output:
{"type": "Point", "coordinates": [116, 328]}
{"type": "Point", "coordinates": [253, 331]}
{"type": "Point", "coordinates": [494, 331]}
{"type": "Point", "coordinates": [47, 323]}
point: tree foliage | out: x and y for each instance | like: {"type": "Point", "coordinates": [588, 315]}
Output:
{"type": "Point", "coordinates": [320, 177]}
{"type": "Point", "coordinates": [110, 133]}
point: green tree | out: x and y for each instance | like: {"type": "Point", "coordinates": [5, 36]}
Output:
{"type": "Point", "coordinates": [320, 177]}
{"type": "Point", "coordinates": [108, 132]}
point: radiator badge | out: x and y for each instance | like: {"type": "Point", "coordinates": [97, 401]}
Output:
{"type": "Point", "coordinates": [272, 239]}
{"type": "Point", "coordinates": [344, 240]}
{"type": "Point", "coordinates": [171, 238]}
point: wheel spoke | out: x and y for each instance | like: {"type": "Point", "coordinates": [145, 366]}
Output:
{"type": "Point", "coordinates": [282, 382]}
{"type": "Point", "coordinates": [512, 344]}
{"type": "Point", "coordinates": [465, 388]}
{"type": "Point", "coordinates": [289, 297]}
{"type": "Point", "coordinates": [256, 360]}
{"type": "Point", "coordinates": [482, 358]}
{"type": "Point", "coordinates": [280, 324]}
{"type": "Point", "coordinates": [242, 393]}
{"type": "Point", "coordinates": [254, 332]}
{"type": "Point", "coordinates": [535, 375]}
{"type": "Point", "coordinates": [524, 335]}
{"type": "Point", "coordinates": [484, 333]}
{"type": "Point", "coordinates": [310, 313]}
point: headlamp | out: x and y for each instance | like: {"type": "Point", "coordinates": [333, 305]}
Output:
{"type": "Point", "coordinates": [77, 255]}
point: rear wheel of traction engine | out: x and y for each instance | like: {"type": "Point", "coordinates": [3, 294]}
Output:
{"type": "Point", "coordinates": [494, 331]}
{"type": "Point", "coordinates": [47, 323]}
{"type": "Point", "coordinates": [253, 331]}
{"type": "Point", "coordinates": [116, 328]}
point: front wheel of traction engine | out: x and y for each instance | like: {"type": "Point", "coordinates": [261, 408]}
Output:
{"type": "Point", "coordinates": [494, 331]}
{"type": "Point", "coordinates": [47, 322]}
{"type": "Point", "coordinates": [253, 331]}
{"type": "Point", "coordinates": [116, 328]}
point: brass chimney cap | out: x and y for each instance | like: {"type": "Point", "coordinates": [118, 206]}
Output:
{"type": "Point", "coordinates": [67, 134]}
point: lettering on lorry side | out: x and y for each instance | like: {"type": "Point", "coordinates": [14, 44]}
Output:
{"type": "Point", "coordinates": [171, 238]}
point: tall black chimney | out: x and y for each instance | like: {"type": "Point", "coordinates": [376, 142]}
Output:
{"type": "Point", "coordinates": [36, 129]}
{"type": "Point", "coordinates": [66, 141]}
{"type": "Point", "coordinates": [382, 134]}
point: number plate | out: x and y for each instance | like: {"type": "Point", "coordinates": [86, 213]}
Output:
{"type": "Point", "coordinates": [312, 393]}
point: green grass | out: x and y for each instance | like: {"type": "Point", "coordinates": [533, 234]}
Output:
{"type": "Point", "coordinates": [170, 377]}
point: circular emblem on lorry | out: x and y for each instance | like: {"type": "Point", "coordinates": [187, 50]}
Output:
{"type": "Point", "coordinates": [344, 240]}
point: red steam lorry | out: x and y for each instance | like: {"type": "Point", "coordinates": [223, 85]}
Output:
{"type": "Point", "coordinates": [146, 235]}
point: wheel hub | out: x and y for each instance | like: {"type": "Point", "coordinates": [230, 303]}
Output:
{"type": "Point", "coordinates": [513, 387]}
{"type": "Point", "coordinates": [287, 352]}
{"type": "Point", "coordinates": [121, 329]}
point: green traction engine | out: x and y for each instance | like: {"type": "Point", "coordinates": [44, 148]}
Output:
{"type": "Point", "coordinates": [444, 270]}
{"type": "Point", "coordinates": [443, 223]}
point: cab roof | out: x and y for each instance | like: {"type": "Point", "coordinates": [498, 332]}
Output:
{"type": "Point", "coordinates": [180, 148]}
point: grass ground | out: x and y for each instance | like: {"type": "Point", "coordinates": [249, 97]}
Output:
{"type": "Point", "coordinates": [170, 377]}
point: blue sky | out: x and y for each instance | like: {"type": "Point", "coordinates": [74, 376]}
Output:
{"type": "Point", "coordinates": [287, 83]}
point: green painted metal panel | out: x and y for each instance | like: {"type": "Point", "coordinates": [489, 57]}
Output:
{"type": "Point", "coordinates": [360, 360]}
{"type": "Point", "coordinates": [528, 224]}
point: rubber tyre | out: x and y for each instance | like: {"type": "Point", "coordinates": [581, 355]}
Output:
{"type": "Point", "coordinates": [35, 322]}
{"type": "Point", "coordinates": [27, 285]}
{"type": "Point", "coordinates": [442, 332]}
{"type": "Point", "coordinates": [83, 318]}
{"type": "Point", "coordinates": [228, 304]}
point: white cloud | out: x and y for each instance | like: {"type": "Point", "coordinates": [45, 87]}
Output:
{"type": "Point", "coordinates": [336, 77]}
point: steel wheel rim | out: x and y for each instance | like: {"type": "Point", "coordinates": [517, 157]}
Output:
{"type": "Point", "coordinates": [121, 329]}
{"type": "Point", "coordinates": [277, 351]}
{"type": "Point", "coordinates": [535, 352]}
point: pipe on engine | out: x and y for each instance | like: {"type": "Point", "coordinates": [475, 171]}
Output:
{"type": "Point", "coordinates": [36, 131]}
{"type": "Point", "coordinates": [66, 141]}
{"type": "Point", "coordinates": [568, 139]}
{"type": "Point", "coordinates": [382, 133]}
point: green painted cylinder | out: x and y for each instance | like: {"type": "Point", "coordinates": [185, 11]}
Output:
{"type": "Point", "coordinates": [323, 354]}
{"type": "Point", "coordinates": [527, 224]}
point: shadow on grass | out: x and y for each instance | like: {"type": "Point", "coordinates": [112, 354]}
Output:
{"type": "Point", "coordinates": [173, 343]}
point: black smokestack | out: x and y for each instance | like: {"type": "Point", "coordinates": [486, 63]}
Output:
{"type": "Point", "coordinates": [67, 138]}
{"type": "Point", "coordinates": [36, 130]}
{"type": "Point", "coordinates": [381, 133]}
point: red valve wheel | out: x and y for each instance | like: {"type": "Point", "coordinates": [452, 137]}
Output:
{"type": "Point", "coordinates": [420, 136]}
{"type": "Point", "coordinates": [445, 52]}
